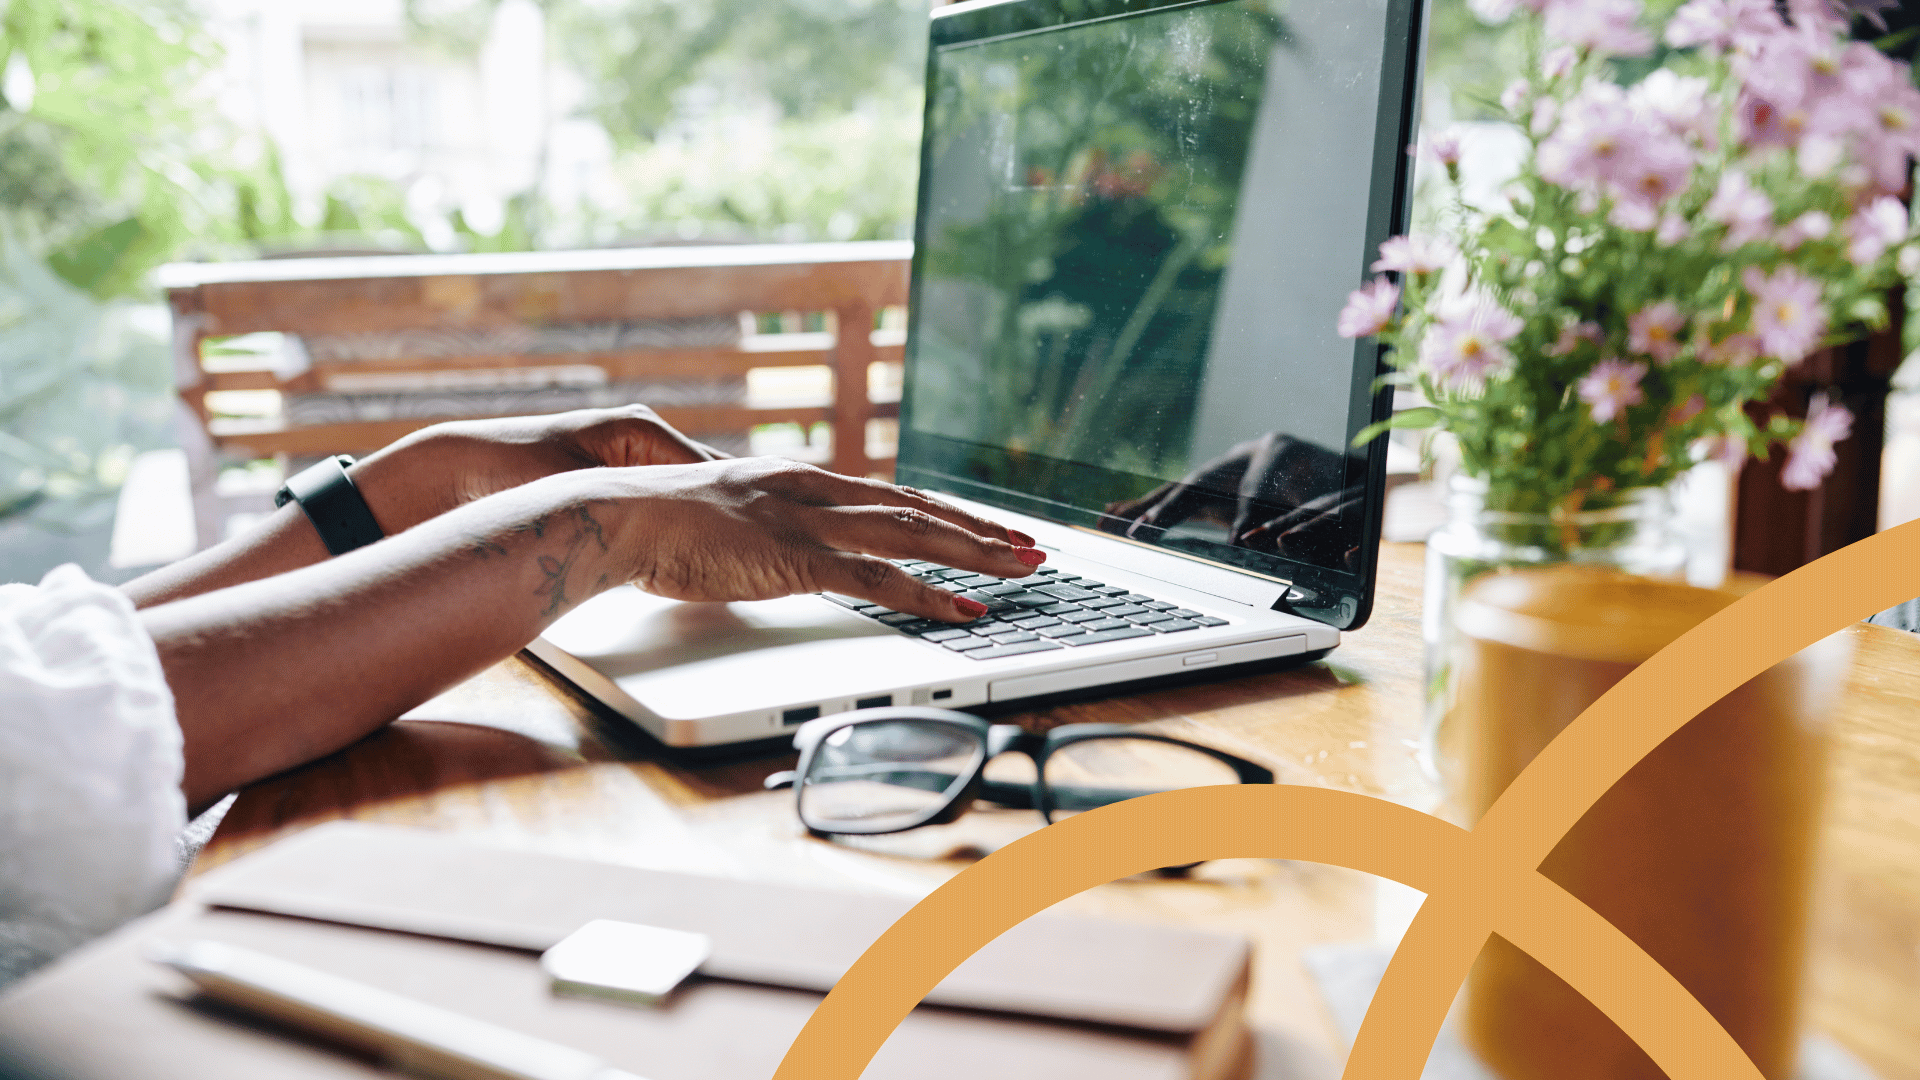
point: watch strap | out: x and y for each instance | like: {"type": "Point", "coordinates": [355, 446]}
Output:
{"type": "Point", "coordinates": [333, 504]}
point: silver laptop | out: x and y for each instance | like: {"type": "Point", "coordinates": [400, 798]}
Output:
{"type": "Point", "coordinates": [1137, 222]}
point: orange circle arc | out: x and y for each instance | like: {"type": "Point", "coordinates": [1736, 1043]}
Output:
{"type": "Point", "coordinates": [1477, 882]}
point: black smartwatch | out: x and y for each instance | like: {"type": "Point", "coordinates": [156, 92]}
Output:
{"type": "Point", "coordinates": [333, 504]}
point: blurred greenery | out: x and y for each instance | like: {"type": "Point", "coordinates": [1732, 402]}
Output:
{"type": "Point", "coordinates": [733, 119]}
{"type": "Point", "coordinates": [82, 389]}
{"type": "Point", "coordinates": [114, 159]}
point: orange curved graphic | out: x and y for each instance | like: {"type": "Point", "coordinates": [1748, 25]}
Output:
{"type": "Point", "coordinates": [1477, 882]}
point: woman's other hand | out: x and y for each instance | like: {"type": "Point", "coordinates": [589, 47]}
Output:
{"type": "Point", "coordinates": [438, 468]}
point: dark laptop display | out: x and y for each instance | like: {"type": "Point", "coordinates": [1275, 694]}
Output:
{"type": "Point", "coordinates": [1132, 243]}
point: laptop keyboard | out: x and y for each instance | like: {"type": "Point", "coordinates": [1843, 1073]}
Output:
{"type": "Point", "coordinates": [1049, 610]}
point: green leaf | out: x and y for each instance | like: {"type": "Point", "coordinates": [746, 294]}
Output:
{"type": "Point", "coordinates": [91, 264]}
{"type": "Point", "coordinates": [1423, 417]}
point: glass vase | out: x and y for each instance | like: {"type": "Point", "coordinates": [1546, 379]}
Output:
{"type": "Point", "coordinates": [1702, 853]}
{"type": "Point", "coordinates": [1635, 534]}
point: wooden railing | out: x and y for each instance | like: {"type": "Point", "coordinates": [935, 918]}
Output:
{"type": "Point", "coordinates": [839, 287]}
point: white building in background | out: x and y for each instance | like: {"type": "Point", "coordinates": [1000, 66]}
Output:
{"type": "Point", "coordinates": [341, 91]}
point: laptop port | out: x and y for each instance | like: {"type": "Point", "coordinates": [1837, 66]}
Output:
{"type": "Point", "coordinates": [942, 695]}
{"type": "Point", "coordinates": [874, 702]}
{"type": "Point", "coordinates": [800, 716]}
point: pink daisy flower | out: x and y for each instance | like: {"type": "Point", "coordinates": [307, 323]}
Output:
{"type": "Point", "coordinates": [1467, 344]}
{"type": "Point", "coordinates": [1611, 388]}
{"type": "Point", "coordinates": [1687, 410]}
{"type": "Point", "coordinates": [1787, 315]}
{"type": "Point", "coordinates": [1415, 253]}
{"type": "Point", "coordinates": [1745, 210]}
{"type": "Point", "coordinates": [1559, 62]}
{"type": "Point", "coordinates": [1445, 146]}
{"type": "Point", "coordinates": [1515, 95]}
{"type": "Point", "coordinates": [1571, 336]}
{"type": "Point", "coordinates": [1738, 350]}
{"type": "Point", "coordinates": [1720, 25]}
{"type": "Point", "coordinates": [1655, 331]}
{"type": "Point", "coordinates": [1810, 455]}
{"type": "Point", "coordinates": [1812, 225]}
{"type": "Point", "coordinates": [1606, 27]}
{"type": "Point", "coordinates": [1673, 229]}
{"type": "Point", "coordinates": [1369, 309]}
{"type": "Point", "coordinates": [1728, 450]}
{"type": "Point", "coordinates": [1874, 228]}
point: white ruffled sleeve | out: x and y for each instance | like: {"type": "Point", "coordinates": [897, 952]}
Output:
{"type": "Point", "coordinates": [90, 764]}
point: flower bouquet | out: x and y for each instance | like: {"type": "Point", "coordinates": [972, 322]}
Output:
{"type": "Point", "coordinates": [1668, 250]}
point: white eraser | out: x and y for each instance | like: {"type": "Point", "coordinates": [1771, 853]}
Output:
{"type": "Point", "coordinates": [625, 961]}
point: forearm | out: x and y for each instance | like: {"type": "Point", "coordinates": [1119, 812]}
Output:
{"type": "Point", "coordinates": [286, 540]}
{"type": "Point", "coordinates": [276, 672]}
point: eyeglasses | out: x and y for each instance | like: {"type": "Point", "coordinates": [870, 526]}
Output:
{"type": "Point", "coordinates": [893, 769]}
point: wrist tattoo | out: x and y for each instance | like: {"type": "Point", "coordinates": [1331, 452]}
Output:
{"type": "Point", "coordinates": [556, 571]}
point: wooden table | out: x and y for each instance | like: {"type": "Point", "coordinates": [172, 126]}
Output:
{"type": "Point", "coordinates": [514, 757]}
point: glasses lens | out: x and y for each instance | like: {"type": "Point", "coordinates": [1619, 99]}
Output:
{"type": "Point", "coordinates": [886, 774]}
{"type": "Point", "coordinates": [1094, 772]}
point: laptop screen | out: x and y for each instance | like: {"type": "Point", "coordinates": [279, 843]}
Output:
{"type": "Point", "coordinates": [1137, 224]}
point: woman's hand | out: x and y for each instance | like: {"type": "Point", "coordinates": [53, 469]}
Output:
{"type": "Point", "coordinates": [438, 468]}
{"type": "Point", "coordinates": [758, 528]}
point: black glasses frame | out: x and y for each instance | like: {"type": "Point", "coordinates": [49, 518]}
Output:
{"type": "Point", "coordinates": [992, 741]}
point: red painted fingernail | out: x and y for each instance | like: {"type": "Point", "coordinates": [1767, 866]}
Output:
{"type": "Point", "coordinates": [1032, 556]}
{"type": "Point", "coordinates": [1020, 538]}
{"type": "Point", "coordinates": [972, 609]}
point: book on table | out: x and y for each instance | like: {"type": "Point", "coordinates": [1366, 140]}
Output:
{"type": "Point", "coordinates": [461, 926]}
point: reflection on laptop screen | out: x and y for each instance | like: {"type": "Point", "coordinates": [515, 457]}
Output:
{"type": "Point", "coordinates": [1135, 233]}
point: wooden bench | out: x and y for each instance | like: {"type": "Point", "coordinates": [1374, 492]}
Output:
{"type": "Point", "coordinates": [492, 297]}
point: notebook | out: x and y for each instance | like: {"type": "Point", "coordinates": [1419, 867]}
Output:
{"type": "Point", "coordinates": [1056, 996]}
{"type": "Point", "coordinates": [1137, 221]}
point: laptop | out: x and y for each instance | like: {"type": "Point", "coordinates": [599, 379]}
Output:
{"type": "Point", "coordinates": [1137, 222]}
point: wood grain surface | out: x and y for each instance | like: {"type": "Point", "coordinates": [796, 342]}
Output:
{"type": "Point", "coordinates": [514, 757]}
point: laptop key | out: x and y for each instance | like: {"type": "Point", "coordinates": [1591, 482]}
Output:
{"type": "Point", "coordinates": [1139, 598]}
{"type": "Point", "coordinates": [1028, 622]}
{"type": "Point", "coordinates": [1016, 649]}
{"type": "Point", "coordinates": [1208, 620]}
{"type": "Point", "coordinates": [1157, 605]}
{"type": "Point", "coordinates": [1059, 609]}
{"type": "Point", "coordinates": [1065, 592]}
{"type": "Point", "coordinates": [1014, 637]}
{"type": "Point", "coordinates": [1111, 590]}
{"type": "Point", "coordinates": [952, 633]}
{"type": "Point", "coordinates": [1173, 626]}
{"type": "Point", "coordinates": [1121, 611]}
{"type": "Point", "coordinates": [967, 644]}
{"type": "Point", "coordinates": [974, 581]}
{"type": "Point", "coordinates": [1150, 618]}
{"type": "Point", "coordinates": [994, 604]}
{"type": "Point", "coordinates": [1103, 602]}
{"type": "Point", "coordinates": [1106, 624]}
{"type": "Point", "coordinates": [1183, 613]}
{"type": "Point", "coordinates": [897, 617]}
{"type": "Point", "coordinates": [1110, 635]}
{"type": "Point", "coordinates": [1080, 616]}
{"type": "Point", "coordinates": [1063, 630]}
{"type": "Point", "coordinates": [921, 626]}
{"type": "Point", "coordinates": [1003, 588]}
